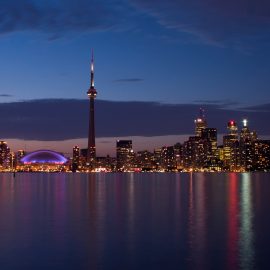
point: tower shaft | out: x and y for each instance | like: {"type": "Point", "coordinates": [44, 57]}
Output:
{"type": "Point", "coordinates": [91, 149]}
{"type": "Point", "coordinates": [91, 153]}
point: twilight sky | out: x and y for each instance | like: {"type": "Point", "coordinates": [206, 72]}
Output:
{"type": "Point", "coordinates": [156, 63]}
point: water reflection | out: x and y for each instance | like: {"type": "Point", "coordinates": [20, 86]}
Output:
{"type": "Point", "coordinates": [134, 221]}
{"type": "Point", "coordinates": [131, 216]}
{"type": "Point", "coordinates": [197, 221]}
{"type": "Point", "coordinates": [246, 228]}
{"type": "Point", "coordinates": [240, 222]}
{"type": "Point", "coordinates": [233, 222]}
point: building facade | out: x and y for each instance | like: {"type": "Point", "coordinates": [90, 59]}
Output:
{"type": "Point", "coordinates": [124, 155]}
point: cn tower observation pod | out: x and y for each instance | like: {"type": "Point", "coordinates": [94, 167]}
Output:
{"type": "Point", "coordinates": [44, 157]}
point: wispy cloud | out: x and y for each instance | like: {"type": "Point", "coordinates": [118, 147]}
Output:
{"type": "Point", "coordinates": [257, 108]}
{"type": "Point", "coordinates": [221, 102]}
{"type": "Point", "coordinates": [218, 22]}
{"type": "Point", "coordinates": [59, 17]}
{"type": "Point", "coordinates": [6, 95]}
{"type": "Point", "coordinates": [128, 80]}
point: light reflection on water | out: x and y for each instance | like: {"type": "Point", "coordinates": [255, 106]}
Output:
{"type": "Point", "coordinates": [134, 221]}
{"type": "Point", "coordinates": [233, 221]}
{"type": "Point", "coordinates": [246, 230]}
{"type": "Point", "coordinates": [197, 219]}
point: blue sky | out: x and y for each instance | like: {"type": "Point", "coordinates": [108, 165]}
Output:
{"type": "Point", "coordinates": [175, 52]}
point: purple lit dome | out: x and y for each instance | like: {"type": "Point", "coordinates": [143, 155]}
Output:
{"type": "Point", "coordinates": [44, 157]}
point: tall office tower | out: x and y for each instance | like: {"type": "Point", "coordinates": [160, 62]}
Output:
{"type": "Point", "coordinates": [209, 135]}
{"type": "Point", "coordinates": [233, 129]}
{"type": "Point", "coordinates": [157, 158]}
{"type": "Point", "coordinates": [194, 156]}
{"type": "Point", "coordinates": [92, 93]}
{"type": "Point", "coordinates": [178, 155]}
{"type": "Point", "coordinates": [167, 158]}
{"type": "Point", "coordinates": [231, 150]}
{"type": "Point", "coordinates": [124, 155]}
{"type": "Point", "coordinates": [262, 155]}
{"type": "Point", "coordinates": [12, 160]}
{"type": "Point", "coordinates": [200, 123]}
{"type": "Point", "coordinates": [75, 157]}
{"type": "Point", "coordinates": [246, 145]}
{"type": "Point", "coordinates": [4, 154]}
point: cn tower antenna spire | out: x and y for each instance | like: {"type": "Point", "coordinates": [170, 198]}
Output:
{"type": "Point", "coordinates": [92, 69]}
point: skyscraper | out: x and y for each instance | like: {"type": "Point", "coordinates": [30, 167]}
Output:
{"type": "Point", "coordinates": [231, 147]}
{"type": "Point", "coordinates": [92, 93]}
{"type": "Point", "coordinates": [124, 155]}
{"type": "Point", "coordinates": [262, 155]}
{"type": "Point", "coordinates": [75, 158]}
{"type": "Point", "coordinates": [200, 123]}
{"type": "Point", "coordinates": [247, 147]}
{"type": "Point", "coordinates": [209, 135]}
{"type": "Point", "coordinates": [194, 153]}
{"type": "Point", "coordinates": [167, 158]}
{"type": "Point", "coordinates": [4, 154]}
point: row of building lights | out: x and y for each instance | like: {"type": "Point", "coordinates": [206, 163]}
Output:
{"type": "Point", "coordinates": [239, 152]}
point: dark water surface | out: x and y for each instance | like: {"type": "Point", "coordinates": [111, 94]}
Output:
{"type": "Point", "coordinates": [135, 221]}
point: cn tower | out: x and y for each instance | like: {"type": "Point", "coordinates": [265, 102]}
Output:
{"type": "Point", "coordinates": [92, 93]}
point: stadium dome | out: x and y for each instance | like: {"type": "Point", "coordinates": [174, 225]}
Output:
{"type": "Point", "coordinates": [44, 157]}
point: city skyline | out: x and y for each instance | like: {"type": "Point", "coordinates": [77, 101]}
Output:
{"type": "Point", "coordinates": [242, 149]}
{"type": "Point", "coordinates": [154, 58]}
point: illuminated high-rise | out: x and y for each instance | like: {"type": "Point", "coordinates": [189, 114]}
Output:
{"type": "Point", "coordinates": [75, 157]}
{"type": "Point", "coordinates": [178, 155]}
{"type": "Point", "coordinates": [157, 158]}
{"type": "Point", "coordinates": [209, 136]}
{"type": "Point", "coordinates": [247, 147]}
{"type": "Point", "coordinates": [231, 153]}
{"type": "Point", "coordinates": [200, 123]}
{"type": "Point", "coordinates": [92, 93]}
{"type": "Point", "coordinates": [144, 160]}
{"type": "Point", "coordinates": [262, 155]}
{"type": "Point", "coordinates": [4, 154]}
{"type": "Point", "coordinates": [233, 129]}
{"type": "Point", "coordinates": [194, 156]}
{"type": "Point", "coordinates": [168, 158]}
{"type": "Point", "coordinates": [124, 155]}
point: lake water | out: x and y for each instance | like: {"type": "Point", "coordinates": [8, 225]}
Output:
{"type": "Point", "coordinates": [135, 221]}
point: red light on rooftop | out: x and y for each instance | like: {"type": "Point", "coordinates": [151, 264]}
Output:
{"type": "Point", "coordinates": [231, 123]}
